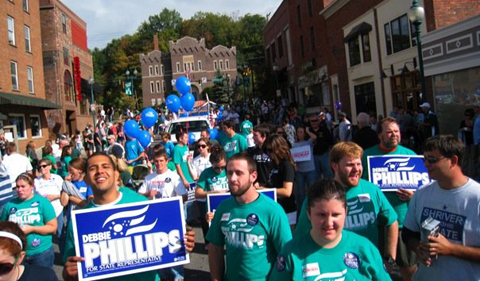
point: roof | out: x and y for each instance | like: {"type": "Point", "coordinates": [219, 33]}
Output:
{"type": "Point", "coordinates": [18, 99]}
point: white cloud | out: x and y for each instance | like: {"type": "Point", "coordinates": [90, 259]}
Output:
{"type": "Point", "coordinates": [108, 19]}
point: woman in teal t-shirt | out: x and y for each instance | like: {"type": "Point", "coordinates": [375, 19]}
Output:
{"type": "Point", "coordinates": [36, 216]}
{"type": "Point", "coordinates": [328, 252]}
{"type": "Point", "coordinates": [65, 158]}
{"type": "Point", "coordinates": [212, 180]}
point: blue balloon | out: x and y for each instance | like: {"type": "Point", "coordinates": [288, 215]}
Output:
{"type": "Point", "coordinates": [213, 133]}
{"type": "Point", "coordinates": [183, 85]}
{"type": "Point", "coordinates": [173, 103]}
{"type": "Point", "coordinates": [144, 138]}
{"type": "Point", "coordinates": [220, 115]}
{"type": "Point", "coordinates": [131, 128]}
{"type": "Point", "coordinates": [191, 138]}
{"type": "Point", "coordinates": [188, 102]}
{"type": "Point", "coordinates": [221, 109]}
{"type": "Point", "coordinates": [149, 117]}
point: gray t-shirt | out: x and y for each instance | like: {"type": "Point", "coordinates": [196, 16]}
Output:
{"type": "Point", "coordinates": [305, 166]}
{"type": "Point", "coordinates": [458, 210]}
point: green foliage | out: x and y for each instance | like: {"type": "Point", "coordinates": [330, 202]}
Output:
{"type": "Point", "coordinates": [111, 62]}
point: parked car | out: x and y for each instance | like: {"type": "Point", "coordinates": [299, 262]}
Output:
{"type": "Point", "coordinates": [193, 124]}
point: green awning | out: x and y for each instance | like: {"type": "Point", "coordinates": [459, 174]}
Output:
{"type": "Point", "coordinates": [19, 99]}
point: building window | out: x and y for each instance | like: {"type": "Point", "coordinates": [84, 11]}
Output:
{"type": "Point", "coordinates": [185, 67]}
{"type": "Point", "coordinates": [354, 51]}
{"type": "Point", "coordinates": [66, 56]}
{"type": "Point", "coordinates": [18, 120]}
{"type": "Point", "coordinates": [302, 51]}
{"type": "Point", "coordinates": [153, 102]}
{"type": "Point", "coordinates": [365, 97]}
{"type": "Point", "coordinates": [214, 65]}
{"type": "Point", "coordinates": [163, 87]}
{"type": "Point", "coordinates": [157, 84]}
{"type": "Point", "coordinates": [25, 5]}
{"type": "Point", "coordinates": [11, 31]}
{"type": "Point", "coordinates": [152, 87]}
{"type": "Point", "coordinates": [64, 23]}
{"type": "Point", "coordinates": [192, 66]}
{"type": "Point", "coordinates": [156, 70]}
{"type": "Point", "coordinates": [68, 86]}
{"type": "Point", "coordinates": [289, 49]}
{"type": "Point", "coordinates": [14, 74]}
{"type": "Point", "coordinates": [227, 64]}
{"type": "Point", "coordinates": [221, 65]}
{"type": "Point", "coordinates": [274, 52]}
{"type": "Point", "coordinates": [162, 69]}
{"type": "Point", "coordinates": [310, 9]}
{"type": "Point", "coordinates": [35, 126]}
{"type": "Point", "coordinates": [159, 101]}
{"type": "Point", "coordinates": [397, 35]}
{"type": "Point", "coordinates": [299, 16]}
{"type": "Point", "coordinates": [28, 46]}
{"type": "Point", "coordinates": [150, 70]}
{"type": "Point", "coordinates": [31, 88]}
{"type": "Point", "coordinates": [366, 48]}
{"type": "Point", "coordinates": [280, 46]}
{"type": "Point", "coordinates": [199, 65]}
{"type": "Point", "coordinates": [178, 67]}
{"type": "Point", "coordinates": [312, 38]}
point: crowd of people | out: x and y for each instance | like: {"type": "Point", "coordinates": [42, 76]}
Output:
{"type": "Point", "coordinates": [329, 222]}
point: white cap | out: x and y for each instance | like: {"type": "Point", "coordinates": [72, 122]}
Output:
{"type": "Point", "coordinates": [425, 104]}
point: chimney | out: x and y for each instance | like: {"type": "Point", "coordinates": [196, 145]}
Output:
{"type": "Point", "coordinates": [155, 42]}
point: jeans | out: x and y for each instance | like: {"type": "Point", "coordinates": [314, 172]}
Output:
{"type": "Point", "coordinates": [171, 273]}
{"type": "Point", "coordinates": [45, 258]}
{"type": "Point", "coordinates": [304, 181]}
{"type": "Point", "coordinates": [60, 234]}
{"type": "Point", "coordinates": [322, 165]}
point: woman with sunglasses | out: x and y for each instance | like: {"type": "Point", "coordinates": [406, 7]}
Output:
{"type": "Point", "coordinates": [212, 180]}
{"type": "Point", "coordinates": [202, 160]}
{"type": "Point", "coordinates": [49, 186]}
{"type": "Point", "coordinates": [12, 254]}
{"type": "Point", "coordinates": [36, 217]}
{"type": "Point", "coordinates": [327, 251]}
{"type": "Point", "coordinates": [282, 174]}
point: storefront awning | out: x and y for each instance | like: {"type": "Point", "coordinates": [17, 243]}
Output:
{"type": "Point", "coordinates": [357, 30]}
{"type": "Point", "coordinates": [23, 100]}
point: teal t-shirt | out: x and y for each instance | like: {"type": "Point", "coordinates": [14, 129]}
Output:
{"type": "Point", "coordinates": [34, 212]}
{"type": "Point", "coordinates": [63, 171]}
{"type": "Point", "coordinates": [234, 145]}
{"type": "Point", "coordinates": [212, 181]}
{"type": "Point", "coordinates": [245, 127]}
{"type": "Point", "coordinates": [400, 207]}
{"type": "Point", "coordinates": [128, 196]}
{"type": "Point", "coordinates": [253, 234]}
{"type": "Point", "coordinates": [354, 258]}
{"type": "Point", "coordinates": [180, 154]}
{"type": "Point", "coordinates": [54, 162]}
{"type": "Point", "coordinates": [367, 208]}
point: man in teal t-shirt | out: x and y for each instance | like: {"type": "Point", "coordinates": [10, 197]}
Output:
{"type": "Point", "coordinates": [246, 127]}
{"type": "Point", "coordinates": [232, 143]}
{"type": "Point", "coordinates": [180, 158]}
{"type": "Point", "coordinates": [389, 136]}
{"type": "Point", "coordinates": [251, 228]}
{"type": "Point", "coordinates": [367, 206]}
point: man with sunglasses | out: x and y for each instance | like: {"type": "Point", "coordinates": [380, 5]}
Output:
{"type": "Point", "coordinates": [388, 132]}
{"type": "Point", "coordinates": [454, 200]}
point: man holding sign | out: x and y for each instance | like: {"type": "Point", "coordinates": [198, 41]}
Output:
{"type": "Point", "coordinates": [252, 227]}
{"type": "Point", "coordinates": [452, 202]}
{"type": "Point", "coordinates": [389, 136]}
{"type": "Point", "coordinates": [102, 175]}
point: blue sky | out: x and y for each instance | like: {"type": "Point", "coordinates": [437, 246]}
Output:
{"type": "Point", "coordinates": [107, 19]}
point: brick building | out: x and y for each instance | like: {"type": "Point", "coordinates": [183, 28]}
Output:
{"type": "Point", "coordinates": [186, 56]}
{"type": "Point", "coordinates": [23, 103]}
{"type": "Point", "coordinates": [64, 38]}
{"type": "Point", "coordinates": [362, 55]}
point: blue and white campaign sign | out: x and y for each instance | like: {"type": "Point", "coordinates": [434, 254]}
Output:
{"type": "Point", "coordinates": [214, 199]}
{"type": "Point", "coordinates": [129, 238]}
{"type": "Point", "coordinates": [391, 172]}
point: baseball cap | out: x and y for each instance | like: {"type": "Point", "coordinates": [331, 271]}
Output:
{"type": "Point", "coordinates": [425, 104]}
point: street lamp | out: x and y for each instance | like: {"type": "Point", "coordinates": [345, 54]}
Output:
{"type": "Point", "coordinates": [131, 77]}
{"type": "Point", "coordinates": [92, 104]}
{"type": "Point", "coordinates": [416, 14]}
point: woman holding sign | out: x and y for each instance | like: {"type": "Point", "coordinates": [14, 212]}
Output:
{"type": "Point", "coordinates": [212, 180]}
{"type": "Point", "coordinates": [36, 217]}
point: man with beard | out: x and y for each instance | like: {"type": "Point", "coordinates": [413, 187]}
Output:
{"type": "Point", "coordinates": [367, 206]}
{"type": "Point", "coordinates": [390, 137]}
{"type": "Point", "coordinates": [252, 227]}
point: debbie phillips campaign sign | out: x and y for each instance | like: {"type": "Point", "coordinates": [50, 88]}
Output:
{"type": "Point", "coordinates": [129, 238]}
{"type": "Point", "coordinates": [391, 172]}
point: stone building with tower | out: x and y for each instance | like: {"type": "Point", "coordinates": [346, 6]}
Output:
{"type": "Point", "coordinates": [187, 57]}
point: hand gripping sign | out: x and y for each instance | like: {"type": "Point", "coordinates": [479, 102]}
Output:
{"type": "Point", "coordinates": [214, 199]}
{"type": "Point", "coordinates": [129, 238]}
{"type": "Point", "coordinates": [391, 172]}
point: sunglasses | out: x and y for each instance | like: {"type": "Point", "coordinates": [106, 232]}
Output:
{"type": "Point", "coordinates": [6, 267]}
{"type": "Point", "coordinates": [219, 168]}
{"type": "Point", "coordinates": [43, 166]}
{"type": "Point", "coordinates": [432, 159]}
{"type": "Point", "coordinates": [202, 146]}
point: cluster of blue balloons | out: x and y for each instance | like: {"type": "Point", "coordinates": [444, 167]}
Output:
{"type": "Point", "coordinates": [187, 100]}
{"type": "Point", "coordinates": [149, 117]}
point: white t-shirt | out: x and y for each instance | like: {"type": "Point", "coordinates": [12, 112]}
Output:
{"type": "Point", "coordinates": [201, 163]}
{"type": "Point", "coordinates": [250, 141]}
{"type": "Point", "coordinates": [458, 210]}
{"type": "Point", "coordinates": [16, 164]}
{"type": "Point", "coordinates": [167, 185]}
{"type": "Point", "coordinates": [52, 186]}
{"type": "Point", "coordinates": [344, 130]}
